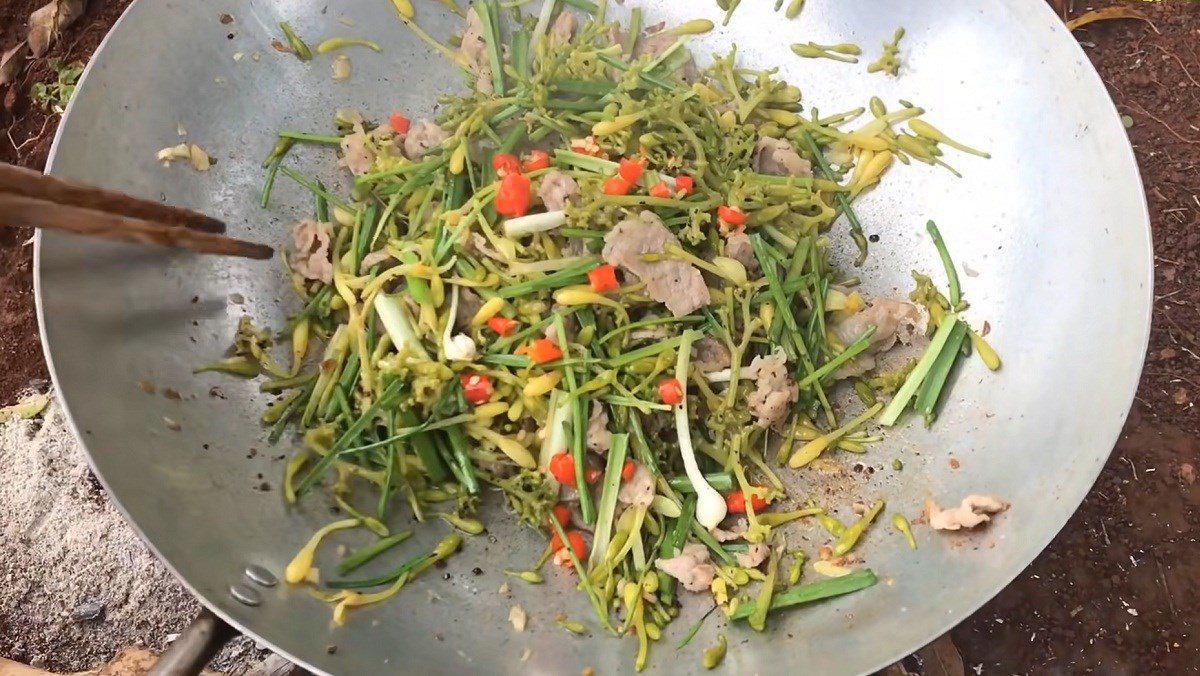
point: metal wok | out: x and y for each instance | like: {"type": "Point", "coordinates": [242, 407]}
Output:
{"type": "Point", "coordinates": [1052, 231]}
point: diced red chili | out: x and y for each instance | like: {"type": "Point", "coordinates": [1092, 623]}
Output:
{"type": "Point", "coordinates": [670, 391]}
{"type": "Point", "coordinates": [731, 215]}
{"type": "Point", "coordinates": [684, 185]}
{"type": "Point", "coordinates": [538, 159]}
{"type": "Point", "coordinates": [617, 185]}
{"type": "Point", "coordinates": [562, 468]}
{"type": "Point", "coordinates": [603, 278]}
{"type": "Point", "coordinates": [506, 164]}
{"type": "Point", "coordinates": [513, 198]}
{"type": "Point", "coordinates": [543, 350]}
{"type": "Point", "coordinates": [502, 325]}
{"type": "Point", "coordinates": [630, 170]}
{"type": "Point", "coordinates": [477, 387]}
{"type": "Point", "coordinates": [736, 502]}
{"type": "Point", "coordinates": [399, 123]}
{"type": "Point", "coordinates": [660, 189]}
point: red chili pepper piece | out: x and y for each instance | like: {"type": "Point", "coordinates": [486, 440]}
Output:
{"type": "Point", "coordinates": [562, 468]}
{"type": "Point", "coordinates": [685, 185]}
{"type": "Point", "coordinates": [562, 514]}
{"type": "Point", "coordinates": [670, 391]}
{"type": "Point", "coordinates": [603, 278]}
{"type": "Point", "coordinates": [538, 159]}
{"type": "Point", "coordinates": [543, 350]}
{"type": "Point", "coordinates": [731, 215]}
{"type": "Point", "coordinates": [477, 387]}
{"type": "Point", "coordinates": [512, 198]}
{"type": "Point", "coordinates": [506, 164]}
{"type": "Point", "coordinates": [502, 325]}
{"type": "Point", "coordinates": [736, 502]}
{"type": "Point", "coordinates": [399, 123]}
{"type": "Point", "coordinates": [630, 170]}
{"type": "Point", "coordinates": [617, 185]}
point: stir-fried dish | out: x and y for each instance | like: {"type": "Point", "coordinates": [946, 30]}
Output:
{"type": "Point", "coordinates": [599, 283]}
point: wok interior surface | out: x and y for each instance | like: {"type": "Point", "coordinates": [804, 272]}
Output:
{"type": "Point", "coordinates": [1051, 237]}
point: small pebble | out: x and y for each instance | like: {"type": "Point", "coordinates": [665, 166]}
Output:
{"type": "Point", "coordinates": [88, 611]}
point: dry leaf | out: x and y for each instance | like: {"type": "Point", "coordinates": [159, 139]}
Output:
{"type": "Point", "coordinates": [1117, 12]}
{"type": "Point", "coordinates": [12, 62]}
{"type": "Point", "coordinates": [49, 20]}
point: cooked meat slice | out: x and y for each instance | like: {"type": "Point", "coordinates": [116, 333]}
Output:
{"type": "Point", "coordinates": [599, 439]}
{"type": "Point", "coordinates": [478, 243]}
{"type": "Point", "coordinates": [310, 250]}
{"type": "Point", "coordinates": [474, 49]}
{"type": "Point", "coordinates": [734, 533]}
{"type": "Point", "coordinates": [639, 489]}
{"type": "Point", "coordinates": [755, 554]}
{"type": "Point", "coordinates": [710, 354]}
{"type": "Point", "coordinates": [556, 189]}
{"type": "Point", "coordinates": [676, 284]}
{"type": "Point", "coordinates": [655, 42]}
{"type": "Point", "coordinates": [563, 28]}
{"type": "Point", "coordinates": [974, 510]}
{"type": "Point", "coordinates": [423, 137]}
{"type": "Point", "coordinates": [778, 157]}
{"type": "Point", "coordinates": [691, 567]}
{"type": "Point", "coordinates": [358, 154]}
{"type": "Point", "coordinates": [469, 303]}
{"type": "Point", "coordinates": [894, 321]}
{"type": "Point", "coordinates": [738, 247]}
{"type": "Point", "coordinates": [775, 391]}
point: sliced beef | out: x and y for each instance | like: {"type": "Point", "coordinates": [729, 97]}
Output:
{"type": "Point", "coordinates": [474, 50]}
{"type": "Point", "coordinates": [563, 28]}
{"type": "Point", "coordinates": [774, 391]}
{"type": "Point", "coordinates": [556, 189]}
{"type": "Point", "coordinates": [895, 321]}
{"type": "Point", "coordinates": [423, 137]}
{"type": "Point", "coordinates": [754, 555]}
{"type": "Point", "coordinates": [692, 567]}
{"type": "Point", "coordinates": [710, 354]}
{"type": "Point", "coordinates": [639, 489]}
{"type": "Point", "coordinates": [778, 157]}
{"type": "Point", "coordinates": [310, 250]}
{"type": "Point", "coordinates": [676, 284]}
{"type": "Point", "coordinates": [599, 439]}
{"type": "Point", "coordinates": [739, 248]}
{"type": "Point", "coordinates": [358, 154]}
{"type": "Point", "coordinates": [974, 510]}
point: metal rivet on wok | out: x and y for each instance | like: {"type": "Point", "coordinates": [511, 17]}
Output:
{"type": "Point", "coordinates": [260, 575]}
{"type": "Point", "coordinates": [245, 594]}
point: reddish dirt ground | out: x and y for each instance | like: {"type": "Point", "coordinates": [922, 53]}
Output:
{"type": "Point", "coordinates": [1118, 592]}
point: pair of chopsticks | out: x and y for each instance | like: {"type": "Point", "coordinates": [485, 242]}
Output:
{"type": "Point", "coordinates": [31, 199]}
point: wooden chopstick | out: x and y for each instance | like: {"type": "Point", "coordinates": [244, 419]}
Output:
{"type": "Point", "coordinates": [28, 198]}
